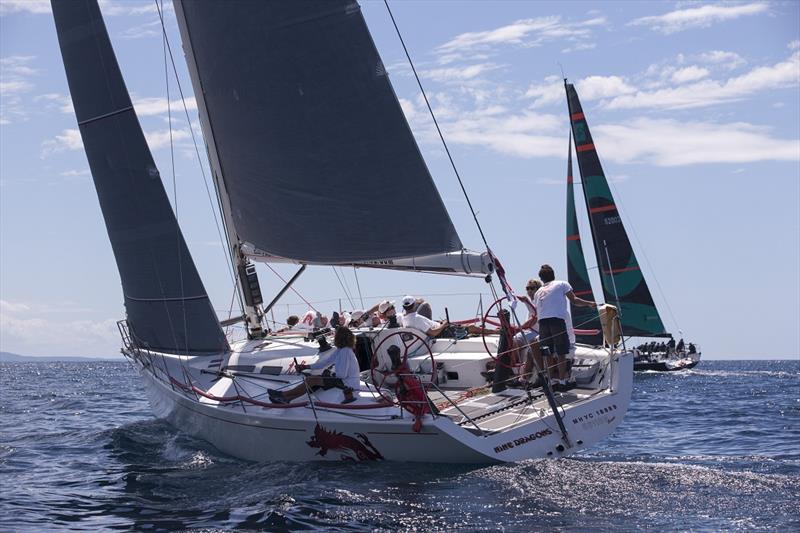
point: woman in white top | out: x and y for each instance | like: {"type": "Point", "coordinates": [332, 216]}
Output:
{"type": "Point", "coordinates": [345, 371]}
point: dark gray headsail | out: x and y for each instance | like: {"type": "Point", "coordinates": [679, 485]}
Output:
{"type": "Point", "coordinates": [167, 307]}
{"type": "Point", "coordinates": [307, 138]}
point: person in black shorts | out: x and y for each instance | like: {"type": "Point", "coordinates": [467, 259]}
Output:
{"type": "Point", "coordinates": [551, 302]}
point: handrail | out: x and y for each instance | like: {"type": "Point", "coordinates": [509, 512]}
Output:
{"type": "Point", "coordinates": [465, 415]}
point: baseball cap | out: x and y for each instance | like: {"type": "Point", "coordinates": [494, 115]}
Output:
{"type": "Point", "coordinates": [384, 306]}
{"type": "Point", "coordinates": [355, 315]}
{"type": "Point", "coordinates": [408, 301]}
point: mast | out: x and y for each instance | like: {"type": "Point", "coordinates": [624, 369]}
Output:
{"type": "Point", "coordinates": [577, 274]}
{"type": "Point", "coordinates": [246, 276]}
{"type": "Point", "coordinates": [620, 275]}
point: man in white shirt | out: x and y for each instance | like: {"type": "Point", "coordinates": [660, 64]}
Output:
{"type": "Point", "coordinates": [551, 304]}
{"type": "Point", "coordinates": [412, 319]}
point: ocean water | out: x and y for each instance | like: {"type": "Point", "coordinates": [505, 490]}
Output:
{"type": "Point", "coordinates": [714, 448]}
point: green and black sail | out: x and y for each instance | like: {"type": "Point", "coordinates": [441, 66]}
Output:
{"type": "Point", "coordinates": [583, 318]}
{"type": "Point", "coordinates": [167, 307]}
{"type": "Point", "coordinates": [620, 275]}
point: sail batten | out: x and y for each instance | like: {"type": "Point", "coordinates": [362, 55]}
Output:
{"type": "Point", "coordinates": [620, 275]}
{"type": "Point", "coordinates": [307, 138]}
{"type": "Point", "coordinates": [167, 307]}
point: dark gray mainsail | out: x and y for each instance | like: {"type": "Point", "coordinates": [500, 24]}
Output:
{"type": "Point", "coordinates": [167, 307]}
{"type": "Point", "coordinates": [309, 145]}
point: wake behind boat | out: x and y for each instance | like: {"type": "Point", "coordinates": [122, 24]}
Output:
{"type": "Point", "coordinates": [292, 97]}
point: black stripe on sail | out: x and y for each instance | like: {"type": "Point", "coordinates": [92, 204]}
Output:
{"type": "Point", "coordinates": [151, 255]}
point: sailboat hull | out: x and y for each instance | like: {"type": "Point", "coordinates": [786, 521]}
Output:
{"type": "Point", "coordinates": [324, 431]}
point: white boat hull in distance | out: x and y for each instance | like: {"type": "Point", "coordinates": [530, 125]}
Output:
{"type": "Point", "coordinates": [223, 400]}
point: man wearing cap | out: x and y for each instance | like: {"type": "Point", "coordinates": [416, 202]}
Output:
{"type": "Point", "coordinates": [412, 319]}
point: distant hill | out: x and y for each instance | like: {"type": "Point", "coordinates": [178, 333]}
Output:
{"type": "Point", "coordinates": [7, 357]}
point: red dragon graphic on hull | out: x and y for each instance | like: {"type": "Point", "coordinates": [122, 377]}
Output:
{"type": "Point", "coordinates": [351, 448]}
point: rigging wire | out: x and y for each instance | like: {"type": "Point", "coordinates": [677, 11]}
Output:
{"type": "Point", "coordinates": [436, 123]}
{"type": "Point", "coordinates": [647, 260]}
{"type": "Point", "coordinates": [355, 275]}
{"type": "Point", "coordinates": [290, 287]}
{"type": "Point", "coordinates": [346, 293]}
{"type": "Point", "coordinates": [228, 257]}
{"type": "Point", "coordinates": [175, 194]}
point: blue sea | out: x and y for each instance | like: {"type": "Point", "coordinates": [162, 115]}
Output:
{"type": "Point", "coordinates": [710, 449]}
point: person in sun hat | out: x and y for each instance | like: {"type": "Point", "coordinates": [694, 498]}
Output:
{"type": "Point", "coordinates": [388, 313]}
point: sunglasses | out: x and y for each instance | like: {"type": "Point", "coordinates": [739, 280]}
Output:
{"type": "Point", "coordinates": [530, 288]}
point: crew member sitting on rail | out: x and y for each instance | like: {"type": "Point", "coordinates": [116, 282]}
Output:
{"type": "Point", "coordinates": [345, 375]}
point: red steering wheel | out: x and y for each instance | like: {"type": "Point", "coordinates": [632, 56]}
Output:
{"type": "Point", "coordinates": [408, 339]}
{"type": "Point", "coordinates": [496, 320]}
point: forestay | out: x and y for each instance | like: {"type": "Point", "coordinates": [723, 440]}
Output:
{"type": "Point", "coordinates": [166, 304]}
{"type": "Point", "coordinates": [309, 145]}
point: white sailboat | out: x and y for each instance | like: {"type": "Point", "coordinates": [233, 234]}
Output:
{"type": "Point", "coordinates": [293, 96]}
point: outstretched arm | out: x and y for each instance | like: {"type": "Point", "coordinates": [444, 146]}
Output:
{"type": "Point", "coordinates": [580, 302]}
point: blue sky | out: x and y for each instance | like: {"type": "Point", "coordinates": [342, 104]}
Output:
{"type": "Point", "coordinates": [694, 107]}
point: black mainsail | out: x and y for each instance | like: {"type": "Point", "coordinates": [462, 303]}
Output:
{"type": "Point", "coordinates": [311, 151]}
{"type": "Point", "coordinates": [167, 307]}
{"type": "Point", "coordinates": [620, 276]}
{"type": "Point", "coordinates": [583, 318]}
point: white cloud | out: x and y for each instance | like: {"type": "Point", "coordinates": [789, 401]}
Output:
{"type": "Point", "coordinates": [148, 29]}
{"type": "Point", "coordinates": [15, 82]}
{"type": "Point", "coordinates": [690, 143]}
{"type": "Point", "coordinates": [161, 138]}
{"type": "Point", "coordinates": [127, 8]}
{"type": "Point", "coordinates": [523, 32]}
{"type": "Point", "coordinates": [578, 47]}
{"type": "Point", "coordinates": [729, 60]}
{"type": "Point", "coordinates": [67, 140]}
{"type": "Point", "coordinates": [75, 173]}
{"type": "Point", "coordinates": [13, 307]}
{"type": "Point", "coordinates": [157, 106]}
{"type": "Point", "coordinates": [712, 92]}
{"type": "Point", "coordinates": [692, 73]}
{"type": "Point", "coordinates": [37, 7]}
{"type": "Point", "coordinates": [597, 87]}
{"type": "Point", "coordinates": [11, 87]}
{"type": "Point", "coordinates": [698, 17]}
{"type": "Point", "coordinates": [459, 74]}
{"type": "Point", "coordinates": [590, 88]}
{"type": "Point", "coordinates": [794, 45]}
